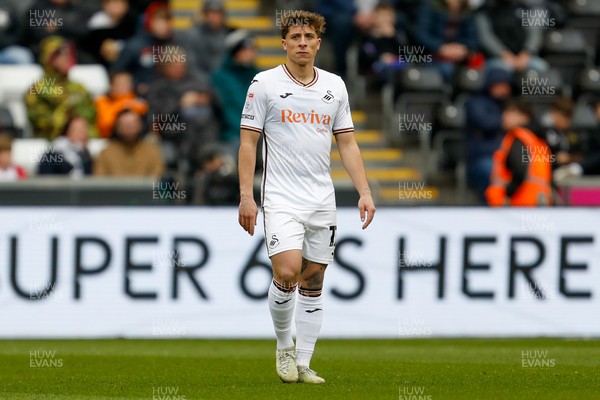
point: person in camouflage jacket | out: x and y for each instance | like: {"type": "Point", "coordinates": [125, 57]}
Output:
{"type": "Point", "coordinates": [53, 99]}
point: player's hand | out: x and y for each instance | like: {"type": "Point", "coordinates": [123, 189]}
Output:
{"type": "Point", "coordinates": [366, 206]}
{"type": "Point", "coordinates": [247, 215]}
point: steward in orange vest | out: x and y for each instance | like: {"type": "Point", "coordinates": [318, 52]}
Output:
{"type": "Point", "coordinates": [522, 171]}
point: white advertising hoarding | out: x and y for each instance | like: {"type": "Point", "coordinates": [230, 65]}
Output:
{"type": "Point", "coordinates": [193, 272]}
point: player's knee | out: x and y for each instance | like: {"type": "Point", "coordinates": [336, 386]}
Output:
{"type": "Point", "coordinates": [287, 277]}
{"type": "Point", "coordinates": [313, 280]}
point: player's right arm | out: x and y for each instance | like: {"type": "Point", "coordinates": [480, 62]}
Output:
{"type": "Point", "coordinates": [246, 164]}
{"type": "Point", "coordinates": [251, 126]}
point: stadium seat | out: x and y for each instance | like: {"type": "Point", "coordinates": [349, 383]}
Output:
{"type": "Point", "coordinates": [15, 80]}
{"type": "Point", "coordinates": [469, 80]}
{"type": "Point", "coordinates": [422, 90]}
{"type": "Point", "coordinates": [28, 152]}
{"type": "Point", "coordinates": [420, 79]}
{"type": "Point", "coordinates": [589, 81]}
{"type": "Point", "coordinates": [95, 146]}
{"type": "Point", "coordinates": [584, 118]}
{"type": "Point", "coordinates": [7, 123]}
{"type": "Point", "coordinates": [584, 8]}
{"type": "Point", "coordinates": [551, 84]}
{"type": "Point", "coordinates": [18, 112]}
{"type": "Point", "coordinates": [451, 116]}
{"type": "Point", "coordinates": [567, 50]}
{"type": "Point", "coordinates": [94, 77]}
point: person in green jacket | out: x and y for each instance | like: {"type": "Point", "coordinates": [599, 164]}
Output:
{"type": "Point", "coordinates": [53, 99]}
{"type": "Point", "coordinates": [231, 82]}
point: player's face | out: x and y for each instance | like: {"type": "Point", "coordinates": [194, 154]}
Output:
{"type": "Point", "coordinates": [301, 44]}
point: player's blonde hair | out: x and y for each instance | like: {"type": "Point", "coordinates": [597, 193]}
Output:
{"type": "Point", "coordinates": [301, 18]}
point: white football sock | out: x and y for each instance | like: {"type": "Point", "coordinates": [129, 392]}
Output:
{"type": "Point", "coordinates": [309, 318]}
{"type": "Point", "coordinates": [281, 305]}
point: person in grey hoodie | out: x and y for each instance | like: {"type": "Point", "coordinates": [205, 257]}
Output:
{"type": "Point", "coordinates": [205, 41]}
{"type": "Point", "coordinates": [506, 39]}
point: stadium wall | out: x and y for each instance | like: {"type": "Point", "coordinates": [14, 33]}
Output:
{"type": "Point", "coordinates": [193, 272]}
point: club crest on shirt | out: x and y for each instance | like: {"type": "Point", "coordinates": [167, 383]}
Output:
{"type": "Point", "coordinates": [328, 98]}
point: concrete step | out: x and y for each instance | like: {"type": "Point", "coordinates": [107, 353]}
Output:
{"type": "Point", "coordinates": [260, 23]}
{"type": "Point", "coordinates": [374, 155]}
{"type": "Point", "coordinates": [232, 6]}
{"type": "Point", "coordinates": [383, 174]}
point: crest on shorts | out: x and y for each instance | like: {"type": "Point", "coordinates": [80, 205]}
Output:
{"type": "Point", "coordinates": [273, 242]}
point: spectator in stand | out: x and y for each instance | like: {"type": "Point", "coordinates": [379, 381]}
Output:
{"type": "Point", "coordinates": [231, 83]}
{"type": "Point", "coordinates": [557, 132]}
{"type": "Point", "coordinates": [9, 171]}
{"type": "Point", "coordinates": [590, 163]}
{"type": "Point", "coordinates": [68, 154]}
{"type": "Point", "coordinates": [506, 41]}
{"type": "Point", "coordinates": [108, 31]}
{"type": "Point", "coordinates": [53, 98]}
{"type": "Point", "coordinates": [484, 127]}
{"type": "Point", "coordinates": [120, 97]}
{"type": "Point", "coordinates": [63, 18]}
{"type": "Point", "coordinates": [379, 47]}
{"type": "Point", "coordinates": [522, 171]}
{"type": "Point", "coordinates": [183, 110]}
{"type": "Point", "coordinates": [11, 33]}
{"type": "Point", "coordinates": [344, 18]}
{"type": "Point", "coordinates": [139, 6]}
{"type": "Point", "coordinates": [140, 52]}
{"type": "Point", "coordinates": [215, 180]}
{"type": "Point", "coordinates": [129, 154]}
{"type": "Point", "coordinates": [205, 40]}
{"type": "Point", "coordinates": [21, 6]}
{"type": "Point", "coordinates": [446, 28]}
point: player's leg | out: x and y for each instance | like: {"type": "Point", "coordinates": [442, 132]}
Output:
{"type": "Point", "coordinates": [319, 245]}
{"type": "Point", "coordinates": [284, 236]}
{"type": "Point", "coordinates": [309, 317]}
{"type": "Point", "coordinates": [286, 271]}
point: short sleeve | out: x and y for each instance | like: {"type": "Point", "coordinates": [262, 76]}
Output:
{"type": "Point", "coordinates": [342, 122]}
{"type": "Point", "coordinates": [255, 106]}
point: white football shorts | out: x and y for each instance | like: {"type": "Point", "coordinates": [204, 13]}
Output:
{"type": "Point", "coordinates": [313, 232]}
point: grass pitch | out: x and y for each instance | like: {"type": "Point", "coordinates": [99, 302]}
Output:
{"type": "Point", "coordinates": [422, 369]}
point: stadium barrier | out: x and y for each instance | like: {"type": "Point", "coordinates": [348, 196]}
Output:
{"type": "Point", "coordinates": [73, 272]}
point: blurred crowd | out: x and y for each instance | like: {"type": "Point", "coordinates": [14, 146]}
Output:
{"type": "Point", "coordinates": [504, 42]}
{"type": "Point", "coordinates": [175, 96]}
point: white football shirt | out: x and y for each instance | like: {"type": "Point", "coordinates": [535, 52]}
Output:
{"type": "Point", "coordinates": [297, 122]}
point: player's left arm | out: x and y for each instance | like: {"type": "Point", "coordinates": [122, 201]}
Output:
{"type": "Point", "coordinates": [353, 163]}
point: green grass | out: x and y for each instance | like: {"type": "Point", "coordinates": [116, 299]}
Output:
{"type": "Point", "coordinates": [354, 369]}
